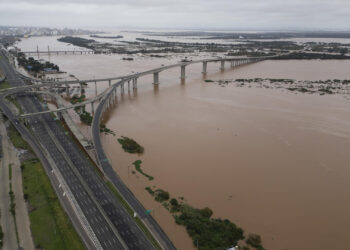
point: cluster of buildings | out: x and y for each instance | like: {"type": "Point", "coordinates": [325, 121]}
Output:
{"type": "Point", "coordinates": [40, 31]}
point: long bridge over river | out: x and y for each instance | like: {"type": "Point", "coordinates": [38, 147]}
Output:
{"type": "Point", "coordinates": [61, 147]}
{"type": "Point", "coordinates": [129, 80]}
{"type": "Point", "coordinates": [58, 52]}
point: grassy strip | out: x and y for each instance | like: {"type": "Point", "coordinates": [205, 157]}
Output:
{"type": "Point", "coordinates": [50, 226]}
{"type": "Point", "coordinates": [15, 102]}
{"type": "Point", "coordinates": [131, 212]}
{"type": "Point", "coordinates": [17, 139]}
{"type": "Point", "coordinates": [12, 202]}
{"type": "Point", "coordinates": [137, 165]}
{"type": "Point", "coordinates": [4, 85]}
{"type": "Point", "coordinates": [13, 209]}
{"type": "Point", "coordinates": [10, 171]}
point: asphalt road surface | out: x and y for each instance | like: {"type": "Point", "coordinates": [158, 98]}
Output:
{"type": "Point", "coordinates": [110, 222]}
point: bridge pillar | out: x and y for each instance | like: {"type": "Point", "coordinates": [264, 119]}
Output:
{"type": "Point", "coordinates": [95, 88]}
{"type": "Point", "coordinates": [109, 83]}
{"type": "Point", "coordinates": [156, 78]}
{"type": "Point", "coordinates": [81, 88]}
{"type": "Point", "coordinates": [59, 115]}
{"type": "Point", "coordinates": [122, 88]}
{"type": "Point", "coordinates": [204, 71]}
{"type": "Point", "coordinates": [183, 72]}
{"type": "Point", "coordinates": [222, 67]}
{"type": "Point", "coordinates": [134, 83]}
{"type": "Point", "coordinates": [129, 85]}
{"type": "Point", "coordinates": [92, 108]}
{"type": "Point", "coordinates": [67, 90]}
{"type": "Point", "coordinates": [232, 64]}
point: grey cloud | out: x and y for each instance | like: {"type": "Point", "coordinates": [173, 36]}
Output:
{"type": "Point", "coordinates": [234, 14]}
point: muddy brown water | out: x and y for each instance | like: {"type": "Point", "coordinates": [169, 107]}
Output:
{"type": "Point", "coordinates": [274, 162]}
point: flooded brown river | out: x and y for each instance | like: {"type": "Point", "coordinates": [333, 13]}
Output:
{"type": "Point", "coordinates": [274, 162]}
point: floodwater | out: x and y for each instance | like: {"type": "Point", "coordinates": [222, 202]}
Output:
{"type": "Point", "coordinates": [272, 161]}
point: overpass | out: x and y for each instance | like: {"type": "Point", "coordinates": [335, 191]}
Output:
{"type": "Point", "coordinates": [111, 92]}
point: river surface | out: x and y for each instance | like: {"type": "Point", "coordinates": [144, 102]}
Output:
{"type": "Point", "coordinates": [274, 162]}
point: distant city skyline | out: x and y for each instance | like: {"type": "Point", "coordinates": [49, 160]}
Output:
{"type": "Point", "coordinates": [179, 14]}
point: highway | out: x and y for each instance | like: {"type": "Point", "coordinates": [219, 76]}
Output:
{"type": "Point", "coordinates": [119, 184]}
{"type": "Point", "coordinates": [115, 229]}
{"type": "Point", "coordinates": [104, 222]}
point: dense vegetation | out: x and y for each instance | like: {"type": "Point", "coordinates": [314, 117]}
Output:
{"type": "Point", "coordinates": [77, 99]}
{"type": "Point", "coordinates": [86, 118]}
{"type": "Point", "coordinates": [208, 233]}
{"type": "Point", "coordinates": [130, 146]}
{"type": "Point", "coordinates": [33, 65]}
{"type": "Point", "coordinates": [77, 41]}
{"type": "Point", "coordinates": [104, 129]}
{"type": "Point", "coordinates": [137, 165]}
{"type": "Point", "coordinates": [205, 231]}
{"type": "Point", "coordinates": [110, 37]}
{"type": "Point", "coordinates": [303, 55]}
{"type": "Point", "coordinates": [254, 240]}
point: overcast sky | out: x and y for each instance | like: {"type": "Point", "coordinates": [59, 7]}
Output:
{"type": "Point", "coordinates": [189, 14]}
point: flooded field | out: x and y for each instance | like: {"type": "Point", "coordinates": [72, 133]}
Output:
{"type": "Point", "coordinates": [272, 161]}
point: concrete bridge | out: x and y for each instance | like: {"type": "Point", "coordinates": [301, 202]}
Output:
{"type": "Point", "coordinates": [59, 52]}
{"type": "Point", "coordinates": [130, 81]}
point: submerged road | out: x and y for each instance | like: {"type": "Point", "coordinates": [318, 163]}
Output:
{"type": "Point", "coordinates": [100, 219]}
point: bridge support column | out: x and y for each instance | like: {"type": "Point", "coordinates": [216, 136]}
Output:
{"type": "Point", "coordinates": [129, 86]}
{"type": "Point", "coordinates": [92, 108]}
{"type": "Point", "coordinates": [232, 64]}
{"type": "Point", "coordinates": [95, 88]}
{"type": "Point", "coordinates": [109, 83]}
{"type": "Point", "coordinates": [67, 90]}
{"type": "Point", "coordinates": [81, 88]}
{"type": "Point", "coordinates": [122, 88]}
{"type": "Point", "coordinates": [204, 71]}
{"type": "Point", "coordinates": [59, 115]}
{"type": "Point", "coordinates": [156, 78]}
{"type": "Point", "coordinates": [134, 83]}
{"type": "Point", "coordinates": [183, 72]}
{"type": "Point", "coordinates": [222, 67]}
